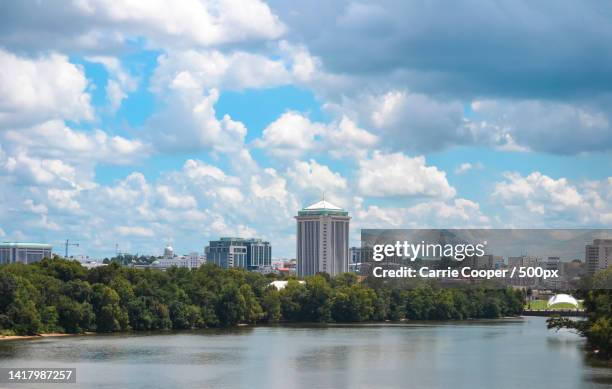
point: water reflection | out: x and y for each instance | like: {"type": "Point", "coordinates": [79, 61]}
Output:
{"type": "Point", "coordinates": [503, 354]}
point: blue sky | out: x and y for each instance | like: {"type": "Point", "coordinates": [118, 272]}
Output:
{"type": "Point", "coordinates": [142, 124]}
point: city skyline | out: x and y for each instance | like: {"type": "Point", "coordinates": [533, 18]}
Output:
{"type": "Point", "coordinates": [123, 124]}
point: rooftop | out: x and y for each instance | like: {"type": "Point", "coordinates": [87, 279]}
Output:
{"type": "Point", "coordinates": [323, 204]}
{"type": "Point", "coordinates": [25, 244]}
{"type": "Point", "coordinates": [322, 207]}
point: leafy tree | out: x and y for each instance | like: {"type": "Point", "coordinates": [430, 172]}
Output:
{"type": "Point", "coordinates": [292, 298]}
{"type": "Point", "coordinates": [598, 305]}
{"type": "Point", "coordinates": [74, 317]}
{"type": "Point", "coordinates": [78, 290]}
{"type": "Point", "coordinates": [397, 307]}
{"type": "Point", "coordinates": [59, 295]}
{"type": "Point", "coordinates": [8, 290]}
{"type": "Point", "coordinates": [271, 305]}
{"type": "Point", "coordinates": [353, 304]}
{"type": "Point", "coordinates": [344, 279]}
{"type": "Point", "coordinates": [317, 304]}
{"type": "Point", "coordinates": [184, 316]}
{"type": "Point", "coordinates": [24, 317]}
{"type": "Point", "coordinates": [110, 316]}
{"type": "Point", "coordinates": [230, 306]}
{"type": "Point", "coordinates": [251, 311]}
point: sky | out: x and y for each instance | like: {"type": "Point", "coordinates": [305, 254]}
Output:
{"type": "Point", "coordinates": [136, 124]}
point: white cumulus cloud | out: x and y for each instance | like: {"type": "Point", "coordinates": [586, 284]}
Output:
{"type": "Point", "coordinates": [397, 175]}
{"type": "Point", "coordinates": [36, 89]}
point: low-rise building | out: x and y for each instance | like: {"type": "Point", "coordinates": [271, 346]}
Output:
{"type": "Point", "coordinates": [16, 252]}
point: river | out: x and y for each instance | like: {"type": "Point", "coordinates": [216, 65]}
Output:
{"type": "Point", "coordinates": [499, 353]}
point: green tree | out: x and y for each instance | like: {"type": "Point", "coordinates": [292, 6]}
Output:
{"type": "Point", "coordinates": [597, 328]}
{"type": "Point", "coordinates": [292, 298]}
{"type": "Point", "coordinates": [316, 306]}
{"type": "Point", "coordinates": [271, 305]}
{"type": "Point", "coordinates": [353, 304]}
{"type": "Point", "coordinates": [184, 316]}
{"type": "Point", "coordinates": [251, 311]}
{"type": "Point", "coordinates": [230, 306]}
{"type": "Point", "coordinates": [110, 315]}
{"type": "Point", "coordinates": [74, 317]}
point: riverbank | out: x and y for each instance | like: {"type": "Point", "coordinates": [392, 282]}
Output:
{"type": "Point", "coordinates": [39, 336]}
{"type": "Point", "coordinates": [272, 325]}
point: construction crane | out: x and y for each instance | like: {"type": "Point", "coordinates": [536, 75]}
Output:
{"type": "Point", "coordinates": [69, 244]}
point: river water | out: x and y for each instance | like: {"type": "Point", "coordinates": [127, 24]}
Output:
{"type": "Point", "coordinates": [494, 354]}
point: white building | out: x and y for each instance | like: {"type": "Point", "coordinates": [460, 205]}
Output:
{"type": "Point", "coordinates": [190, 262]}
{"type": "Point", "coordinates": [279, 285]}
{"type": "Point", "coordinates": [168, 252]}
{"type": "Point", "coordinates": [11, 252]}
{"type": "Point", "coordinates": [92, 264]}
{"type": "Point", "coordinates": [598, 255]}
{"type": "Point", "coordinates": [322, 239]}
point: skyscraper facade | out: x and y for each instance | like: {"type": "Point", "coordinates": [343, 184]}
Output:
{"type": "Point", "coordinates": [322, 239]}
{"type": "Point", "coordinates": [227, 253]}
{"type": "Point", "coordinates": [259, 254]}
{"type": "Point", "coordinates": [250, 254]}
{"type": "Point", "coordinates": [598, 256]}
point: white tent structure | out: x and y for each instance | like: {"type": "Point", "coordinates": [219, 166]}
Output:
{"type": "Point", "coordinates": [562, 298]}
{"type": "Point", "coordinates": [279, 285]}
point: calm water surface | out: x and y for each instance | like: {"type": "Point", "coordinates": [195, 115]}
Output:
{"type": "Point", "coordinates": [501, 354]}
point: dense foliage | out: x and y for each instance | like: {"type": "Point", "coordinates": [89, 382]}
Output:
{"type": "Point", "coordinates": [597, 328]}
{"type": "Point", "coordinates": [55, 295]}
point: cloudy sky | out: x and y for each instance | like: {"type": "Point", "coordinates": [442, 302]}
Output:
{"type": "Point", "coordinates": [138, 123]}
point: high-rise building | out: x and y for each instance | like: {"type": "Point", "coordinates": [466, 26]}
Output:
{"type": "Point", "coordinates": [322, 239]}
{"type": "Point", "coordinates": [227, 252]}
{"type": "Point", "coordinates": [239, 252]}
{"type": "Point", "coordinates": [489, 261]}
{"type": "Point", "coordinates": [551, 263]}
{"type": "Point", "coordinates": [523, 260]}
{"type": "Point", "coordinates": [598, 255]}
{"type": "Point", "coordinates": [23, 252]}
{"type": "Point", "coordinates": [355, 255]}
{"type": "Point", "coordinates": [360, 254]}
{"type": "Point", "coordinates": [259, 254]}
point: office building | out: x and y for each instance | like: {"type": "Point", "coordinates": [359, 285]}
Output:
{"type": "Point", "coordinates": [551, 263]}
{"type": "Point", "coordinates": [239, 252]}
{"type": "Point", "coordinates": [24, 252]}
{"type": "Point", "coordinates": [489, 261]}
{"type": "Point", "coordinates": [360, 254]}
{"type": "Point", "coordinates": [259, 254]}
{"type": "Point", "coordinates": [523, 260]}
{"type": "Point", "coordinates": [322, 239]}
{"type": "Point", "coordinates": [598, 255]}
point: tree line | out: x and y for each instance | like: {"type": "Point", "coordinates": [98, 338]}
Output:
{"type": "Point", "coordinates": [56, 295]}
{"type": "Point", "coordinates": [597, 328]}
